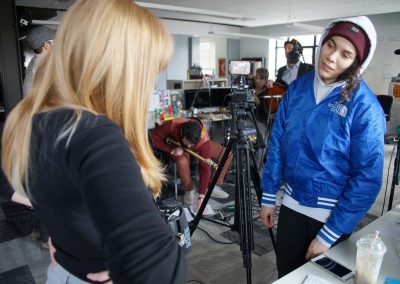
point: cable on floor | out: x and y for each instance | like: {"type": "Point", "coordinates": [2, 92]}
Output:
{"type": "Point", "coordinates": [217, 241]}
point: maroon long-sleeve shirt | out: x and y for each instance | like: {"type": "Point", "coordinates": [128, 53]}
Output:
{"type": "Point", "coordinates": [172, 129]}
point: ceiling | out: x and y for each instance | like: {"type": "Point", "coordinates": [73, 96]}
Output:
{"type": "Point", "coordinates": [249, 13]}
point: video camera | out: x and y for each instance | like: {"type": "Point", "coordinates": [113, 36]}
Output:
{"type": "Point", "coordinates": [242, 102]}
{"type": "Point", "coordinates": [243, 96]}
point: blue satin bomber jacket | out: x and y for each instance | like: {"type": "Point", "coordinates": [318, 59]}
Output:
{"type": "Point", "coordinates": [330, 154]}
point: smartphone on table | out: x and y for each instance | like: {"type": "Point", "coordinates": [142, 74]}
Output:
{"type": "Point", "coordinates": [336, 269]}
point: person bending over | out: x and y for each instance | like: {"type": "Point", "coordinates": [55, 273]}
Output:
{"type": "Point", "coordinates": [191, 134]}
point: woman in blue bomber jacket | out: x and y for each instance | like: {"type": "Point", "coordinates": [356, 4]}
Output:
{"type": "Point", "coordinates": [326, 148]}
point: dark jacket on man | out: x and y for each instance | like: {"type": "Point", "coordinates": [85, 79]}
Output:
{"type": "Point", "coordinates": [303, 69]}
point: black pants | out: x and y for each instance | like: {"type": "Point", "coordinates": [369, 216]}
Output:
{"type": "Point", "coordinates": [295, 234]}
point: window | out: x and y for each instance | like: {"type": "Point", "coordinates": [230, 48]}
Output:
{"type": "Point", "coordinates": [309, 44]}
{"type": "Point", "coordinates": [207, 56]}
{"type": "Point", "coordinates": [280, 58]}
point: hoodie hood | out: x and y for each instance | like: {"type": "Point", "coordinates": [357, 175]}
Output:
{"type": "Point", "coordinates": [364, 23]}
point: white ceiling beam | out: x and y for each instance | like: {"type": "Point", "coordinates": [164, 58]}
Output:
{"type": "Point", "coordinates": [228, 34]}
{"type": "Point", "coordinates": [189, 10]}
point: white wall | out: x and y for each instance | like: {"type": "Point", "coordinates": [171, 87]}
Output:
{"type": "Point", "coordinates": [181, 31]}
{"type": "Point", "coordinates": [161, 83]}
{"type": "Point", "coordinates": [385, 64]}
{"type": "Point", "coordinates": [178, 66]}
{"type": "Point", "coordinates": [233, 46]}
{"type": "Point", "coordinates": [221, 51]}
{"type": "Point", "coordinates": [251, 47]}
{"type": "Point", "coordinates": [194, 48]}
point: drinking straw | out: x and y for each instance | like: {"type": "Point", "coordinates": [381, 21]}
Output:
{"type": "Point", "coordinates": [372, 245]}
{"type": "Point", "coordinates": [375, 238]}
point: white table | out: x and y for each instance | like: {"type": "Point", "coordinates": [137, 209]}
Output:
{"type": "Point", "coordinates": [345, 252]}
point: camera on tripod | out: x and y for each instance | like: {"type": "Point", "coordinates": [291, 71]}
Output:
{"type": "Point", "coordinates": [243, 96]}
{"type": "Point", "coordinates": [242, 102]}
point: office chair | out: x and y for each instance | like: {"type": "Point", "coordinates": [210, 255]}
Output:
{"type": "Point", "coordinates": [386, 103]}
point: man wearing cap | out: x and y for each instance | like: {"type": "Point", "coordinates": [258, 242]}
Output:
{"type": "Point", "coordinates": [40, 40]}
{"type": "Point", "coordinates": [326, 148]}
{"type": "Point", "coordinates": [294, 67]}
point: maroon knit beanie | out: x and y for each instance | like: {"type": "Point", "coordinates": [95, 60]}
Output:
{"type": "Point", "coordinates": [355, 35]}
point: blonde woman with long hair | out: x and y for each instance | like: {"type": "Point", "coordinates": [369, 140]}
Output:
{"type": "Point", "coordinates": [78, 147]}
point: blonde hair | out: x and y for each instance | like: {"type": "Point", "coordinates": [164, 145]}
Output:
{"type": "Point", "coordinates": [105, 59]}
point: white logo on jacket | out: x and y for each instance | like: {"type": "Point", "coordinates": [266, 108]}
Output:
{"type": "Point", "coordinates": [354, 29]}
{"type": "Point", "coordinates": [338, 108]}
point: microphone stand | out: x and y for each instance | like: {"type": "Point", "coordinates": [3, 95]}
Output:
{"type": "Point", "coordinates": [209, 89]}
{"type": "Point", "coordinates": [191, 109]}
{"type": "Point", "coordinates": [210, 111]}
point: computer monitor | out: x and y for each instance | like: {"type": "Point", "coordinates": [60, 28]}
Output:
{"type": "Point", "coordinates": [220, 97]}
{"type": "Point", "coordinates": [202, 100]}
{"type": "Point", "coordinates": [239, 67]}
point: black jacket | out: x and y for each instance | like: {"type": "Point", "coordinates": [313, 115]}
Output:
{"type": "Point", "coordinates": [303, 69]}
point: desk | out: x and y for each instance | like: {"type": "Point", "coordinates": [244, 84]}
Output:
{"type": "Point", "coordinates": [345, 252]}
{"type": "Point", "coordinates": [214, 116]}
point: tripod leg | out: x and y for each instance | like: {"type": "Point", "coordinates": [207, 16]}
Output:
{"type": "Point", "coordinates": [193, 225]}
{"type": "Point", "coordinates": [245, 209]}
{"type": "Point", "coordinates": [272, 237]}
{"type": "Point", "coordinates": [255, 177]}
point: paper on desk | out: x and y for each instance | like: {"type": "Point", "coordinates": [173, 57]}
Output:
{"type": "Point", "coordinates": [154, 101]}
{"type": "Point", "coordinates": [312, 279]}
{"type": "Point", "coordinates": [207, 211]}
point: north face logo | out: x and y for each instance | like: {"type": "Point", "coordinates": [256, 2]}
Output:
{"type": "Point", "coordinates": [338, 109]}
{"type": "Point", "coordinates": [354, 29]}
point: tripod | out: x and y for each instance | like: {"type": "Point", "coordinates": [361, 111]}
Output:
{"type": "Point", "coordinates": [243, 207]}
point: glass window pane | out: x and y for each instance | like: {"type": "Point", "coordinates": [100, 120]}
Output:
{"type": "Point", "coordinates": [280, 42]}
{"type": "Point", "coordinates": [318, 38]}
{"type": "Point", "coordinates": [307, 53]}
{"type": "Point", "coordinates": [280, 58]}
{"type": "Point", "coordinates": [305, 40]}
{"type": "Point", "coordinates": [207, 56]}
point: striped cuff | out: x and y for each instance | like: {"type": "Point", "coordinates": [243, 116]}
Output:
{"type": "Point", "coordinates": [268, 199]}
{"type": "Point", "coordinates": [327, 236]}
{"type": "Point", "coordinates": [326, 203]}
{"type": "Point", "coordinates": [288, 190]}
{"type": "Point", "coordinates": [322, 241]}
